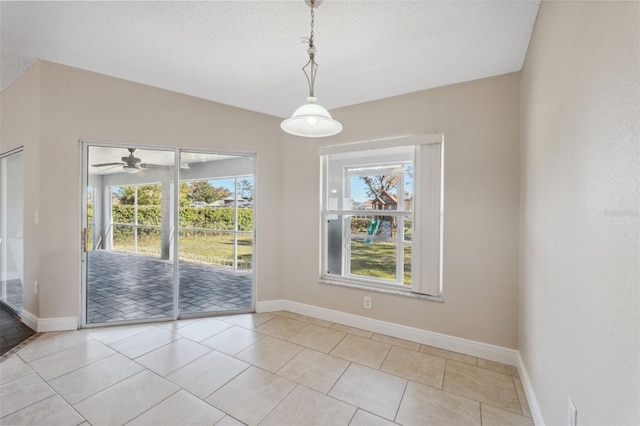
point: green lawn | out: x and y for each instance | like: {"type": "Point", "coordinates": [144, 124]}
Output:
{"type": "Point", "coordinates": [378, 259]}
{"type": "Point", "coordinates": [207, 247]}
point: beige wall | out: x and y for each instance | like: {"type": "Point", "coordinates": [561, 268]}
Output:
{"type": "Point", "coordinates": [75, 104]}
{"type": "Point", "coordinates": [579, 226]}
{"type": "Point", "coordinates": [480, 122]}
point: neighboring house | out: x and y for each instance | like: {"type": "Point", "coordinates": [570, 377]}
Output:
{"type": "Point", "coordinates": [241, 202]}
{"type": "Point", "coordinates": [230, 202]}
{"type": "Point", "coordinates": [367, 205]}
{"type": "Point", "coordinates": [408, 201]}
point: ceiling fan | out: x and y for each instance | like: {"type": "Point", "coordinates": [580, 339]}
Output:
{"type": "Point", "coordinates": [132, 164]}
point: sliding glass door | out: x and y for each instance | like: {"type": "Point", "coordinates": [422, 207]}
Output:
{"type": "Point", "coordinates": [216, 233]}
{"type": "Point", "coordinates": [11, 231]}
{"type": "Point", "coordinates": [136, 267]}
{"type": "Point", "coordinates": [127, 236]}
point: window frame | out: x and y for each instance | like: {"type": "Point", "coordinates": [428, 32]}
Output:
{"type": "Point", "coordinates": [425, 216]}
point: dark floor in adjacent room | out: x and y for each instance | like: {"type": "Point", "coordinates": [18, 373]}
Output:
{"type": "Point", "coordinates": [12, 331]}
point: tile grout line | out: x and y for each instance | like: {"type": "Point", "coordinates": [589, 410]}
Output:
{"type": "Point", "coordinates": [515, 388]}
{"type": "Point", "coordinates": [158, 403]}
{"type": "Point", "coordinates": [281, 401]}
{"type": "Point", "coordinates": [33, 403]}
{"type": "Point", "coordinates": [404, 391]}
{"type": "Point", "coordinates": [386, 355]}
{"type": "Point", "coordinates": [46, 382]}
{"type": "Point", "coordinates": [339, 377]}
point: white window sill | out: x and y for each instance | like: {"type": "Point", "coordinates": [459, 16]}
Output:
{"type": "Point", "coordinates": [380, 289]}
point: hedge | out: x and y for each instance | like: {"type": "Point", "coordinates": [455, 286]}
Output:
{"type": "Point", "coordinates": [220, 218]}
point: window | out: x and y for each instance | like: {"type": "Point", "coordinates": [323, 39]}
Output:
{"type": "Point", "coordinates": [136, 219]}
{"type": "Point", "coordinates": [382, 214]}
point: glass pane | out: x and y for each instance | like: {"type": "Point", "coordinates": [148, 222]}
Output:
{"type": "Point", "coordinates": [215, 248]}
{"type": "Point", "coordinates": [375, 191]}
{"type": "Point", "coordinates": [90, 209]}
{"type": "Point", "coordinates": [245, 191]}
{"type": "Point", "coordinates": [206, 247]}
{"type": "Point", "coordinates": [376, 259]}
{"type": "Point", "coordinates": [149, 204]}
{"type": "Point", "coordinates": [11, 231]}
{"type": "Point", "coordinates": [216, 233]}
{"type": "Point", "coordinates": [334, 247]}
{"type": "Point", "coordinates": [123, 238]}
{"type": "Point", "coordinates": [129, 267]}
{"type": "Point", "coordinates": [407, 265]}
{"type": "Point", "coordinates": [408, 187]}
{"type": "Point", "coordinates": [245, 252]}
{"type": "Point", "coordinates": [149, 241]}
{"type": "Point", "coordinates": [408, 230]}
{"type": "Point", "coordinates": [122, 205]}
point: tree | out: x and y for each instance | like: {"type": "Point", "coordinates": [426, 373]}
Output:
{"type": "Point", "coordinates": [203, 191]}
{"type": "Point", "coordinates": [184, 194]}
{"type": "Point", "coordinates": [246, 189]}
{"type": "Point", "coordinates": [376, 185]}
{"type": "Point", "coordinates": [148, 195]}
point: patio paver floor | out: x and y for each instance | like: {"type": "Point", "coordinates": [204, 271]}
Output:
{"type": "Point", "coordinates": [127, 286]}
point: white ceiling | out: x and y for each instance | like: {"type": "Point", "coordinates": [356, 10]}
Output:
{"type": "Point", "coordinates": [249, 53]}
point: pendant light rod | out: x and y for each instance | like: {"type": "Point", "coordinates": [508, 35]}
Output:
{"type": "Point", "coordinates": [311, 51]}
{"type": "Point", "coordinates": [311, 120]}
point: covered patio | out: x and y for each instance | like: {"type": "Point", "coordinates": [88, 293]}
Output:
{"type": "Point", "coordinates": [128, 286]}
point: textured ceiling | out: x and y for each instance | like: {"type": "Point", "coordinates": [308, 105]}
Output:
{"type": "Point", "coordinates": [249, 53]}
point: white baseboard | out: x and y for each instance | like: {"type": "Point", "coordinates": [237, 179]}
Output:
{"type": "Point", "coordinates": [29, 319]}
{"type": "Point", "coordinates": [57, 324]}
{"type": "Point", "coordinates": [42, 325]}
{"type": "Point", "coordinates": [443, 341]}
{"type": "Point", "coordinates": [538, 420]}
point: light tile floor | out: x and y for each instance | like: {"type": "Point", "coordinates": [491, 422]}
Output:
{"type": "Point", "coordinates": [269, 369]}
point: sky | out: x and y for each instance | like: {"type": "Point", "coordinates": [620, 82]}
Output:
{"type": "Point", "coordinates": [358, 191]}
{"type": "Point", "coordinates": [229, 184]}
{"type": "Point", "coordinates": [359, 188]}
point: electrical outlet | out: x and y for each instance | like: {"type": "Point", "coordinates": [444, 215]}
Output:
{"type": "Point", "coordinates": [572, 419]}
{"type": "Point", "coordinates": [367, 302]}
{"type": "Point", "coordinates": [36, 287]}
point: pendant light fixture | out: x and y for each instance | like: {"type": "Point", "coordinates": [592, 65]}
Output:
{"type": "Point", "coordinates": [311, 120]}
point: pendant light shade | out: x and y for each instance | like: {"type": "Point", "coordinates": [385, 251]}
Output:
{"type": "Point", "coordinates": [312, 121]}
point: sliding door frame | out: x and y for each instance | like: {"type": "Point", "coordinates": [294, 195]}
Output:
{"type": "Point", "coordinates": [15, 309]}
{"type": "Point", "coordinates": [175, 224]}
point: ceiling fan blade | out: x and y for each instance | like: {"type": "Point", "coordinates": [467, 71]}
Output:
{"type": "Point", "coordinates": [153, 166]}
{"type": "Point", "coordinates": [107, 164]}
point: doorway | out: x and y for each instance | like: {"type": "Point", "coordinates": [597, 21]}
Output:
{"type": "Point", "coordinates": [136, 266]}
{"type": "Point", "coordinates": [11, 231]}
